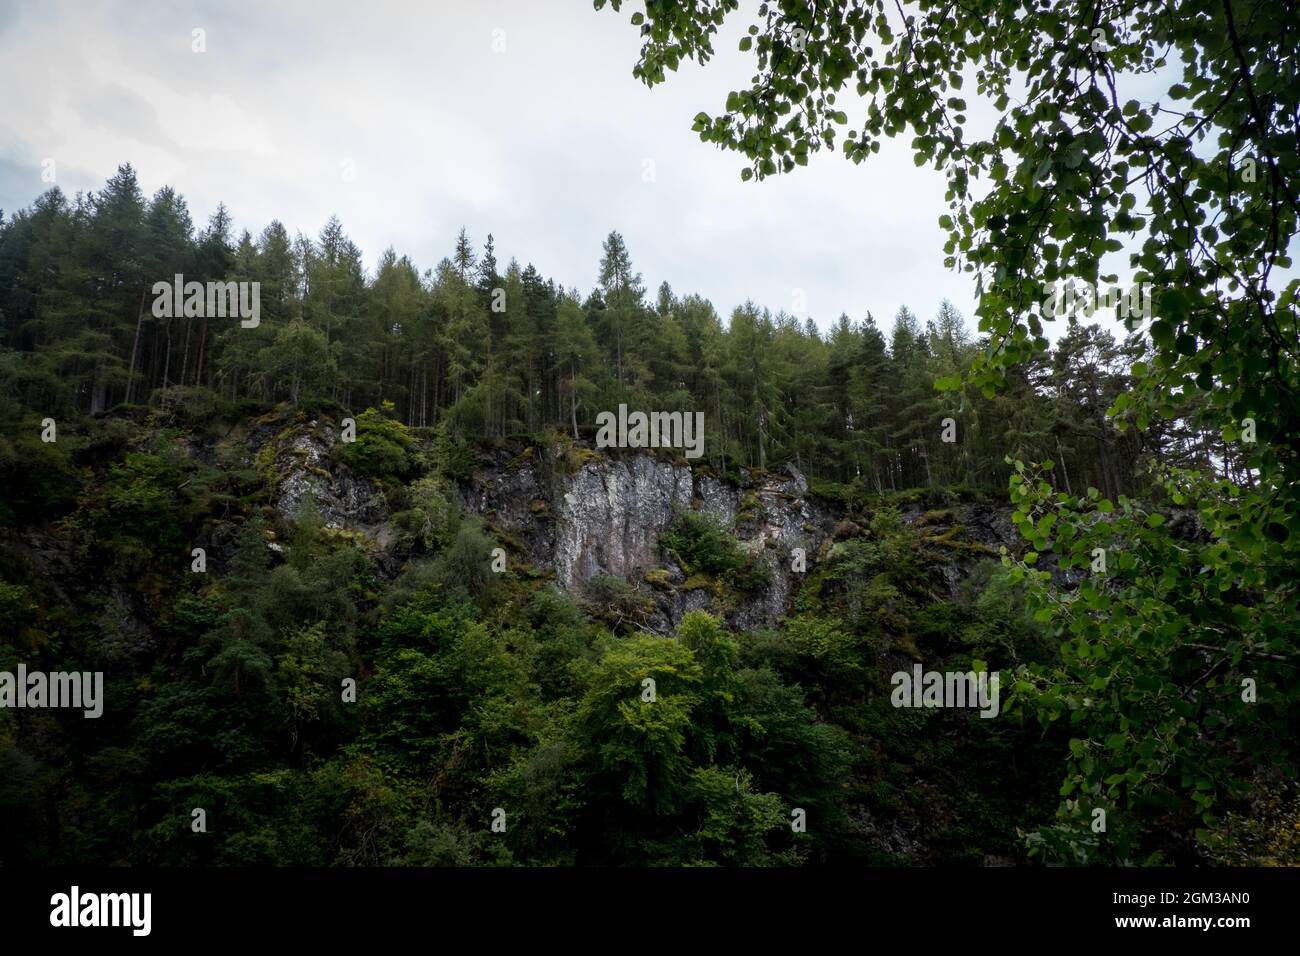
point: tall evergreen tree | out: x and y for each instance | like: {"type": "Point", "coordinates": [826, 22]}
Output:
{"type": "Point", "coordinates": [622, 290]}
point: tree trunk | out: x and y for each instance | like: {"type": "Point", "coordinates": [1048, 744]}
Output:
{"type": "Point", "coordinates": [203, 337]}
{"type": "Point", "coordinates": [1064, 471]}
{"type": "Point", "coordinates": [167, 362]}
{"type": "Point", "coordinates": [573, 399]}
{"type": "Point", "coordinates": [487, 399]}
{"type": "Point", "coordinates": [410, 395]}
{"type": "Point", "coordinates": [135, 346]}
{"type": "Point", "coordinates": [185, 358]}
{"type": "Point", "coordinates": [98, 393]}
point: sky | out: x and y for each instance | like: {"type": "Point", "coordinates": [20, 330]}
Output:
{"type": "Point", "coordinates": [410, 120]}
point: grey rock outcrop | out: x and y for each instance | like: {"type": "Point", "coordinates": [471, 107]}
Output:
{"type": "Point", "coordinates": [608, 516]}
{"type": "Point", "coordinates": [308, 472]}
{"type": "Point", "coordinates": [605, 513]}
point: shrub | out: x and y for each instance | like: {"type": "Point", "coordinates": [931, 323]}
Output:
{"type": "Point", "coordinates": [615, 601]}
{"type": "Point", "coordinates": [385, 448]}
{"type": "Point", "coordinates": [465, 567]}
{"type": "Point", "coordinates": [702, 546]}
{"type": "Point", "coordinates": [431, 518]}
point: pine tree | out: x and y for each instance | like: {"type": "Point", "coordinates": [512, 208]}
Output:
{"type": "Point", "coordinates": [578, 358]}
{"type": "Point", "coordinates": [622, 291]}
{"type": "Point", "coordinates": [463, 257]}
{"type": "Point", "coordinates": [773, 389]}
{"type": "Point", "coordinates": [488, 279]}
{"type": "Point", "coordinates": [665, 301]}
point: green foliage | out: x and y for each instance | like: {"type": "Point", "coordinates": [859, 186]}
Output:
{"type": "Point", "coordinates": [639, 748]}
{"type": "Point", "coordinates": [737, 823]}
{"type": "Point", "coordinates": [818, 651]}
{"type": "Point", "coordinates": [702, 546]}
{"type": "Point", "coordinates": [36, 477]}
{"type": "Point", "coordinates": [1164, 680]}
{"type": "Point", "coordinates": [851, 409]}
{"type": "Point", "coordinates": [464, 568]}
{"type": "Point", "coordinates": [1193, 177]}
{"type": "Point", "coordinates": [430, 844]}
{"type": "Point", "coordinates": [475, 690]}
{"type": "Point", "coordinates": [1159, 647]}
{"type": "Point", "coordinates": [562, 634]}
{"type": "Point", "coordinates": [385, 448]}
{"type": "Point", "coordinates": [135, 521]}
{"type": "Point", "coordinates": [431, 517]}
{"type": "Point", "coordinates": [617, 602]}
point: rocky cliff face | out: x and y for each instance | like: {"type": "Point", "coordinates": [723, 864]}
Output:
{"type": "Point", "coordinates": [608, 516]}
{"type": "Point", "coordinates": [304, 469]}
{"type": "Point", "coordinates": [578, 517]}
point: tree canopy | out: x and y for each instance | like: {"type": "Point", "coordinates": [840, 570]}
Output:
{"type": "Point", "coordinates": [1150, 139]}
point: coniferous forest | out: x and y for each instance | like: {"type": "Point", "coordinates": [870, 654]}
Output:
{"type": "Point", "coordinates": [366, 590]}
{"type": "Point", "coordinates": [855, 406]}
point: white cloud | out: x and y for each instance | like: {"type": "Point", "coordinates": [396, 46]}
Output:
{"type": "Point", "coordinates": [542, 145]}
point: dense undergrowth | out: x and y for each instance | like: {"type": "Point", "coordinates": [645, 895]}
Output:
{"type": "Point", "coordinates": [475, 691]}
{"type": "Point", "coordinates": [479, 692]}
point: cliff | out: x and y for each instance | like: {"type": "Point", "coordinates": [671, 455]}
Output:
{"type": "Point", "coordinates": [574, 514]}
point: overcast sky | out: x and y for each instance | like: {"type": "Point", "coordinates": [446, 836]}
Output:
{"type": "Point", "coordinates": [546, 141]}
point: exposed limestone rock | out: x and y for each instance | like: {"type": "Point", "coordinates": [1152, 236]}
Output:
{"type": "Point", "coordinates": [306, 470]}
{"type": "Point", "coordinates": [300, 463]}
{"type": "Point", "coordinates": [606, 518]}
{"type": "Point", "coordinates": [612, 513]}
